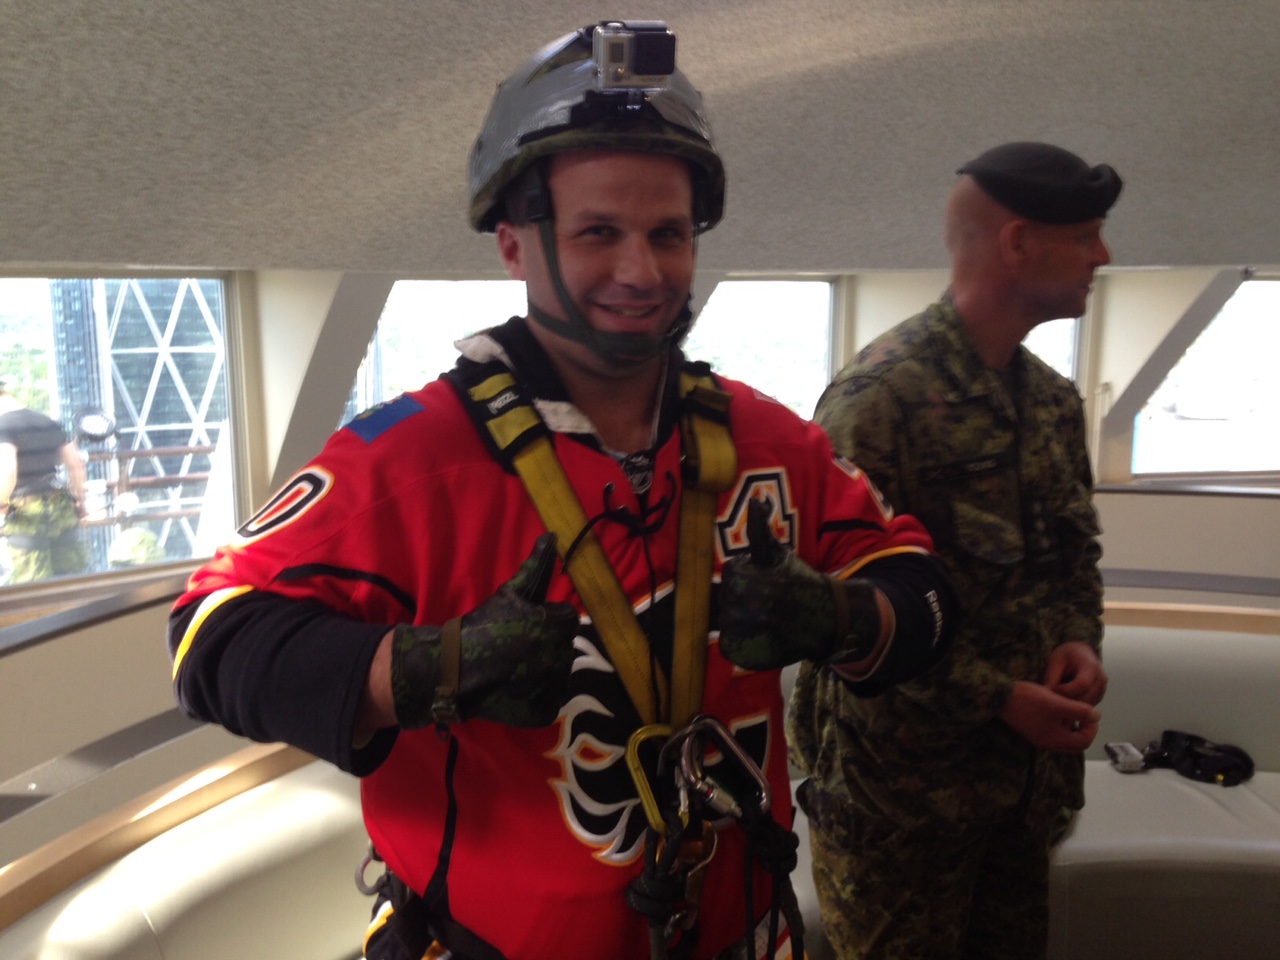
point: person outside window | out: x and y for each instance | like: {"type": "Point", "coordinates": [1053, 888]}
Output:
{"type": "Point", "coordinates": [42, 480]}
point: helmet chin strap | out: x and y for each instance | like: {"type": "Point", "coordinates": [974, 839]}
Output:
{"type": "Point", "coordinates": [620, 350]}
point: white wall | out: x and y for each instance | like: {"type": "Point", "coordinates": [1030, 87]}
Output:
{"type": "Point", "coordinates": [1228, 535]}
{"type": "Point", "coordinates": [883, 298]}
{"type": "Point", "coordinates": [58, 696]}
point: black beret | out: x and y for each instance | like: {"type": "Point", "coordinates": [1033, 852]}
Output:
{"type": "Point", "coordinates": [1045, 183]}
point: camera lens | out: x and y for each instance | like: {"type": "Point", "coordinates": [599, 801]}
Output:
{"type": "Point", "coordinates": [654, 54]}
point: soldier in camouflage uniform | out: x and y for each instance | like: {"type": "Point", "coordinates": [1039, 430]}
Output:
{"type": "Point", "coordinates": [41, 514]}
{"type": "Point", "coordinates": [934, 807]}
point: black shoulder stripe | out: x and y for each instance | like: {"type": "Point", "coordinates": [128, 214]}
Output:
{"type": "Point", "coordinates": [403, 597]}
{"type": "Point", "coordinates": [838, 526]}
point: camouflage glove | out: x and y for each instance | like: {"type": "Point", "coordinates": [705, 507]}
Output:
{"type": "Point", "coordinates": [775, 609]}
{"type": "Point", "coordinates": [509, 662]}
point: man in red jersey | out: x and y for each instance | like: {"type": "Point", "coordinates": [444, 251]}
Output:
{"type": "Point", "coordinates": [539, 605]}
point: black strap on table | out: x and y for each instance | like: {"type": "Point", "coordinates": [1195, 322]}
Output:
{"type": "Point", "coordinates": [1200, 759]}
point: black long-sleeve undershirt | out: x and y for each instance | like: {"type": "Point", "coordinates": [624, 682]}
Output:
{"type": "Point", "coordinates": [925, 613]}
{"type": "Point", "coordinates": [274, 669]}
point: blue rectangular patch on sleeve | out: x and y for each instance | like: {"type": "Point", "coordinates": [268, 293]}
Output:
{"type": "Point", "coordinates": [376, 421]}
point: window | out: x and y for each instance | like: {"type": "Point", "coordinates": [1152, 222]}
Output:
{"type": "Point", "coordinates": [414, 342]}
{"type": "Point", "coordinates": [1218, 410]}
{"type": "Point", "coordinates": [133, 370]}
{"type": "Point", "coordinates": [1055, 343]}
{"type": "Point", "coordinates": [772, 334]}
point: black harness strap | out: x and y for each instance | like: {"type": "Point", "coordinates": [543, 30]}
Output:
{"type": "Point", "coordinates": [1199, 759]}
{"type": "Point", "coordinates": [657, 894]}
{"type": "Point", "coordinates": [418, 922]}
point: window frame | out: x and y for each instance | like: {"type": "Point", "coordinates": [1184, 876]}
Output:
{"type": "Point", "coordinates": [40, 597]}
{"type": "Point", "coordinates": [1117, 431]}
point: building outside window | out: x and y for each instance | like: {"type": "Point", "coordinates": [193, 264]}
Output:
{"type": "Point", "coordinates": [134, 371]}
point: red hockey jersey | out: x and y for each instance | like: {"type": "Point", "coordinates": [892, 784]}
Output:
{"type": "Point", "coordinates": [406, 516]}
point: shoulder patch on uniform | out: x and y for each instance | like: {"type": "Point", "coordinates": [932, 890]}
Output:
{"type": "Point", "coordinates": [376, 421]}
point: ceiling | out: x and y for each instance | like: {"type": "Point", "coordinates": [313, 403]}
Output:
{"type": "Point", "coordinates": [333, 134]}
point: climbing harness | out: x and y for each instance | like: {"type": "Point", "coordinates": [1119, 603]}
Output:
{"type": "Point", "coordinates": [694, 794]}
{"type": "Point", "coordinates": [519, 439]}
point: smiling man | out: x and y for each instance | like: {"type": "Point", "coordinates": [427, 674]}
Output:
{"type": "Point", "coordinates": [933, 808]}
{"type": "Point", "coordinates": [623, 233]}
{"type": "Point", "coordinates": [496, 599]}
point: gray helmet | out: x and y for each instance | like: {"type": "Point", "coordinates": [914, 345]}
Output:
{"type": "Point", "coordinates": [567, 96]}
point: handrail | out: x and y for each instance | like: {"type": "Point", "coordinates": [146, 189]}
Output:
{"type": "Point", "coordinates": [39, 630]}
{"type": "Point", "coordinates": [44, 782]}
{"type": "Point", "coordinates": [1210, 583]}
{"type": "Point", "coordinates": [1192, 616]}
{"type": "Point", "coordinates": [1264, 488]}
{"type": "Point", "coordinates": [41, 875]}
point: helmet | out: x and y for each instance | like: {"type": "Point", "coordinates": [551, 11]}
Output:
{"type": "Point", "coordinates": [570, 96]}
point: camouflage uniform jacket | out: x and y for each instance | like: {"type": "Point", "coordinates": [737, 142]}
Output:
{"type": "Point", "coordinates": [995, 465]}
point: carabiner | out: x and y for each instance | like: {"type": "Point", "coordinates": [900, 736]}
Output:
{"type": "Point", "coordinates": [710, 791]}
{"type": "Point", "coordinates": [363, 885]}
{"type": "Point", "coordinates": [648, 800]}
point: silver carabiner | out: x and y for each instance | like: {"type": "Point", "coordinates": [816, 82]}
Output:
{"type": "Point", "coordinates": [363, 885]}
{"type": "Point", "coordinates": [709, 790]}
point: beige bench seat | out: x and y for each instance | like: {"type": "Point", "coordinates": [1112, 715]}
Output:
{"type": "Point", "coordinates": [1159, 866]}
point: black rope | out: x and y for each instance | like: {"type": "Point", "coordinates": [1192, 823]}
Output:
{"type": "Point", "coordinates": [650, 520]}
{"type": "Point", "coordinates": [658, 892]}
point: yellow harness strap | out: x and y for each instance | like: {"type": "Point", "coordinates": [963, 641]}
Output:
{"type": "Point", "coordinates": [710, 466]}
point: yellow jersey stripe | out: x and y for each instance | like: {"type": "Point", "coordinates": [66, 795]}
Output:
{"type": "Point", "coordinates": [207, 606]}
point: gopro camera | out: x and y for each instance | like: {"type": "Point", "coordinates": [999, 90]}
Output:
{"type": "Point", "coordinates": [1125, 757]}
{"type": "Point", "coordinates": [634, 53]}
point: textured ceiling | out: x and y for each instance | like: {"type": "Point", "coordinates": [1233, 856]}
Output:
{"type": "Point", "coordinates": [332, 134]}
